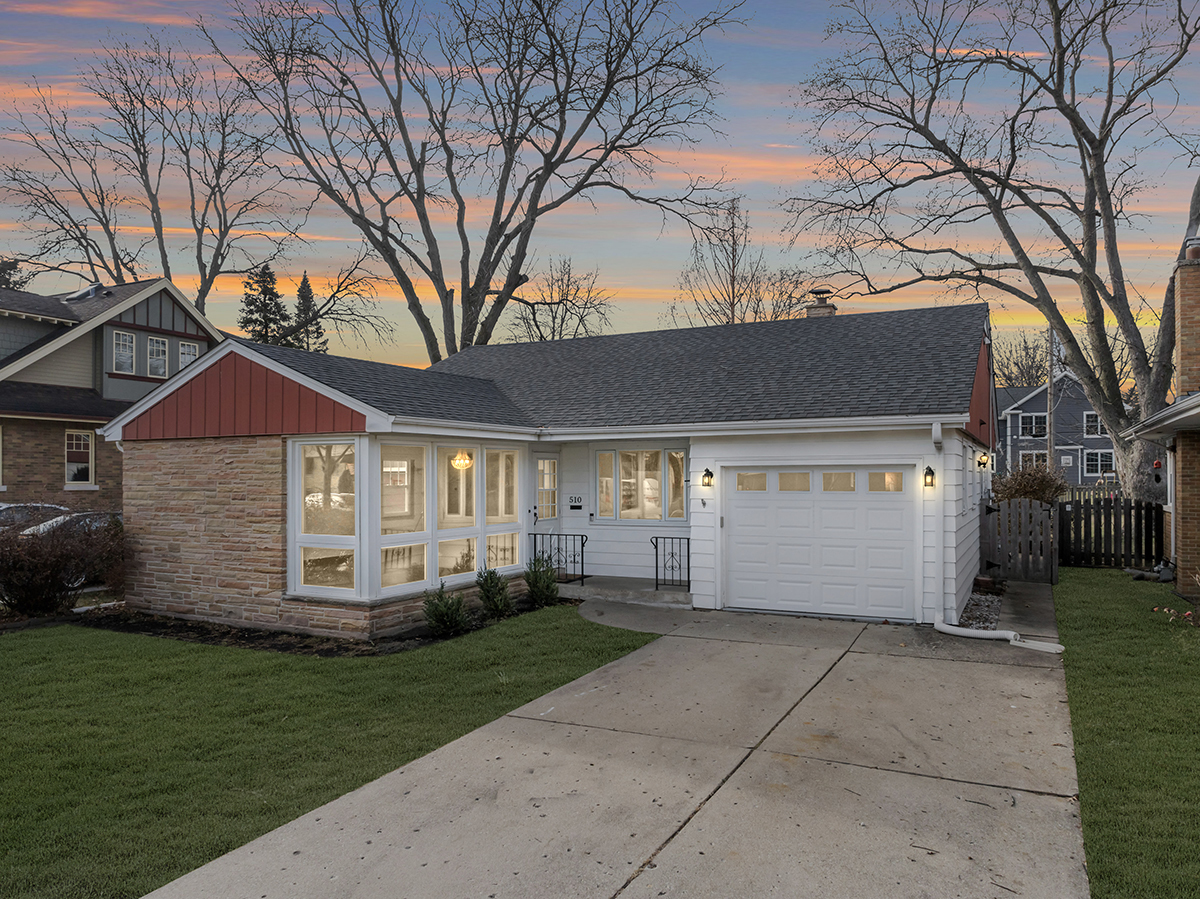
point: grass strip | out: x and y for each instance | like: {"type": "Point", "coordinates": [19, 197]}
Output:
{"type": "Point", "coordinates": [128, 760]}
{"type": "Point", "coordinates": [1133, 682]}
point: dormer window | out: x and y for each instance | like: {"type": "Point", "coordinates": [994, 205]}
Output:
{"type": "Point", "coordinates": [122, 352]}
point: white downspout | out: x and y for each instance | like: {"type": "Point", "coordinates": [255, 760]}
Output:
{"type": "Point", "coordinates": [1012, 637]}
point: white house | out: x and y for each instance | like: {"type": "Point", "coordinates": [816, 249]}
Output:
{"type": "Point", "coordinates": [830, 465]}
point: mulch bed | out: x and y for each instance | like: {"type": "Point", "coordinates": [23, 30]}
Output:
{"type": "Point", "coordinates": [128, 621]}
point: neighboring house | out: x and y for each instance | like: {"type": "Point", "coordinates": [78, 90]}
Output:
{"type": "Point", "coordinates": [1083, 449]}
{"type": "Point", "coordinates": [828, 466]}
{"type": "Point", "coordinates": [70, 363]}
{"type": "Point", "coordinates": [1178, 428]}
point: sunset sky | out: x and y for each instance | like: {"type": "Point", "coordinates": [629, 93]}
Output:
{"type": "Point", "coordinates": [639, 258]}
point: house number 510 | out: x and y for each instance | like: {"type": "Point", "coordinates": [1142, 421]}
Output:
{"type": "Point", "coordinates": [574, 500]}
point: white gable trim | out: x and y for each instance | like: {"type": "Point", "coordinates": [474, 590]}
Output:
{"type": "Point", "coordinates": [1040, 389]}
{"type": "Point", "coordinates": [376, 420]}
{"type": "Point", "coordinates": [92, 324]}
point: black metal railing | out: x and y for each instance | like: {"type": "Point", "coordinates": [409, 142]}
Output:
{"type": "Point", "coordinates": [565, 552]}
{"type": "Point", "coordinates": [672, 562]}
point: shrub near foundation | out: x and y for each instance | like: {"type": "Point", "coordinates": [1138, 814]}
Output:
{"type": "Point", "coordinates": [541, 577]}
{"type": "Point", "coordinates": [493, 594]}
{"type": "Point", "coordinates": [446, 613]}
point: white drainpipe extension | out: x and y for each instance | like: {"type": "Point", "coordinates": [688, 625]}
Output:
{"type": "Point", "coordinates": [939, 609]}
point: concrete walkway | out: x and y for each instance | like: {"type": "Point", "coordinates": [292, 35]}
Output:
{"type": "Point", "coordinates": [737, 756]}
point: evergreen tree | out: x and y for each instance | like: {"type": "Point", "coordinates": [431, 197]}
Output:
{"type": "Point", "coordinates": [11, 276]}
{"type": "Point", "coordinates": [312, 336]}
{"type": "Point", "coordinates": [263, 314]}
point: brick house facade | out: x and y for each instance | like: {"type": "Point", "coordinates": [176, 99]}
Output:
{"type": "Point", "coordinates": [33, 460]}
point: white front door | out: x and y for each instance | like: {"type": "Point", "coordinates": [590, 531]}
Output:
{"type": "Point", "coordinates": [823, 541]}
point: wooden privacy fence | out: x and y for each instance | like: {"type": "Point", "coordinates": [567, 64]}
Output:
{"type": "Point", "coordinates": [1017, 541]}
{"type": "Point", "coordinates": [1111, 532]}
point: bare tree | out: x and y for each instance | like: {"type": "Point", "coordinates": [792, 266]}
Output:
{"type": "Point", "coordinates": [728, 280]}
{"type": "Point", "coordinates": [345, 305]}
{"type": "Point", "coordinates": [165, 123]}
{"type": "Point", "coordinates": [994, 148]}
{"type": "Point", "coordinates": [1019, 359]}
{"type": "Point", "coordinates": [446, 131]}
{"type": "Point", "coordinates": [564, 305]}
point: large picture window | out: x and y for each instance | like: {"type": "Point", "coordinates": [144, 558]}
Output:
{"type": "Point", "coordinates": [456, 486]}
{"type": "Point", "coordinates": [641, 485]}
{"type": "Point", "coordinates": [402, 489]}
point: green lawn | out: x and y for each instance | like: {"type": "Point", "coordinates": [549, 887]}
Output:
{"type": "Point", "coordinates": [1133, 682]}
{"type": "Point", "coordinates": [127, 760]}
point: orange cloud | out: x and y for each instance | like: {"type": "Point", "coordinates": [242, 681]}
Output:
{"type": "Point", "coordinates": [143, 12]}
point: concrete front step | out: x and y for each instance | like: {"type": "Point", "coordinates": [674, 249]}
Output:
{"type": "Point", "coordinates": [627, 589]}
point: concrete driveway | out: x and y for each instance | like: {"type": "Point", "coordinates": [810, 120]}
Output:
{"type": "Point", "coordinates": [737, 756]}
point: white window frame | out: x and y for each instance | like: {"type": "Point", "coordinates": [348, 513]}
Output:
{"type": "Point", "coordinates": [1033, 430]}
{"type": "Point", "coordinates": [1032, 457]}
{"type": "Point", "coordinates": [118, 337]}
{"type": "Point", "coordinates": [195, 354]}
{"type": "Point", "coordinates": [153, 344]}
{"type": "Point", "coordinates": [546, 498]}
{"type": "Point", "coordinates": [1093, 426]}
{"type": "Point", "coordinates": [298, 540]}
{"type": "Point", "coordinates": [1091, 457]}
{"type": "Point", "coordinates": [90, 483]}
{"type": "Point", "coordinates": [663, 491]}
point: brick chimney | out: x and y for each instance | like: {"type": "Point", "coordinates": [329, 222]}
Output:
{"type": "Point", "coordinates": [1187, 321]}
{"type": "Point", "coordinates": [820, 308]}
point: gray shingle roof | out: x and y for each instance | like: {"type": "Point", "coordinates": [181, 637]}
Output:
{"type": "Point", "coordinates": [907, 362]}
{"type": "Point", "coordinates": [21, 398]}
{"type": "Point", "coordinates": [398, 390]}
{"type": "Point", "coordinates": [74, 310]}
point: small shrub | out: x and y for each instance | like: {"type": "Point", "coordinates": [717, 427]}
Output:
{"type": "Point", "coordinates": [493, 594]}
{"type": "Point", "coordinates": [42, 574]}
{"type": "Point", "coordinates": [445, 613]}
{"type": "Point", "coordinates": [1039, 482]}
{"type": "Point", "coordinates": [541, 577]}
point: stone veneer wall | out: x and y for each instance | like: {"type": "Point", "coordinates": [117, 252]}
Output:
{"type": "Point", "coordinates": [33, 466]}
{"type": "Point", "coordinates": [206, 539]}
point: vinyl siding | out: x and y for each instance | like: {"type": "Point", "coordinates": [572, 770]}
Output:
{"type": "Point", "coordinates": [68, 366]}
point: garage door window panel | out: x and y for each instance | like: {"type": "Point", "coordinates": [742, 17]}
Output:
{"type": "Point", "coordinates": [838, 481]}
{"type": "Point", "coordinates": [795, 482]}
{"type": "Point", "coordinates": [751, 481]}
{"type": "Point", "coordinates": [885, 482]}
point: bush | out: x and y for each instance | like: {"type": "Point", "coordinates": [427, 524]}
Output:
{"type": "Point", "coordinates": [1038, 482]}
{"type": "Point", "coordinates": [43, 574]}
{"type": "Point", "coordinates": [541, 577]}
{"type": "Point", "coordinates": [493, 594]}
{"type": "Point", "coordinates": [445, 613]}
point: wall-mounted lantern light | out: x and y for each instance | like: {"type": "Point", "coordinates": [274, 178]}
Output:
{"type": "Point", "coordinates": [706, 479]}
{"type": "Point", "coordinates": [983, 460]}
{"type": "Point", "coordinates": [462, 461]}
{"type": "Point", "coordinates": [928, 476]}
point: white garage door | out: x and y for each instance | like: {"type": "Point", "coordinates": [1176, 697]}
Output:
{"type": "Point", "coordinates": [822, 541]}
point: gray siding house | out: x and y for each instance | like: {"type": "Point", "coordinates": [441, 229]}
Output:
{"type": "Point", "coordinates": [1083, 449]}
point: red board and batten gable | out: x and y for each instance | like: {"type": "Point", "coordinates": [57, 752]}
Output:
{"type": "Point", "coordinates": [237, 397]}
{"type": "Point", "coordinates": [980, 424]}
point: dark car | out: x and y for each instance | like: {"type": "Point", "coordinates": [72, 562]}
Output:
{"type": "Point", "coordinates": [86, 522]}
{"type": "Point", "coordinates": [19, 516]}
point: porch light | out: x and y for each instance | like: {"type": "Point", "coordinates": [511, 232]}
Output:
{"type": "Point", "coordinates": [706, 479]}
{"type": "Point", "coordinates": [928, 476]}
{"type": "Point", "coordinates": [983, 460]}
{"type": "Point", "coordinates": [462, 461]}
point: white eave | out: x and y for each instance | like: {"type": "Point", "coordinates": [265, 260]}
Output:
{"type": "Point", "coordinates": [1182, 415]}
{"type": "Point", "coordinates": [29, 316]}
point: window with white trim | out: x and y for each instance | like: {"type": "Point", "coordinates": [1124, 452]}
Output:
{"type": "Point", "coordinates": [80, 457]}
{"type": "Point", "coordinates": [1029, 458]}
{"type": "Point", "coordinates": [1098, 462]}
{"type": "Point", "coordinates": [123, 348]}
{"type": "Point", "coordinates": [1033, 424]}
{"type": "Point", "coordinates": [156, 357]}
{"type": "Point", "coordinates": [1093, 426]}
{"type": "Point", "coordinates": [641, 485]}
{"type": "Point", "coordinates": [328, 523]}
{"type": "Point", "coordinates": [188, 353]}
{"type": "Point", "coordinates": [547, 488]}
{"type": "Point", "coordinates": [456, 486]}
{"type": "Point", "coordinates": [500, 484]}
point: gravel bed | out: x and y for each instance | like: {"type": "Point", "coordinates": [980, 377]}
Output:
{"type": "Point", "coordinates": [981, 612]}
